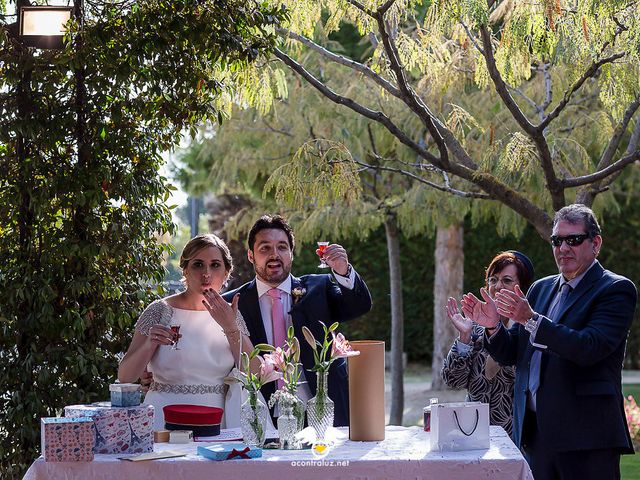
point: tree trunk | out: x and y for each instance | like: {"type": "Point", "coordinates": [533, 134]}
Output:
{"type": "Point", "coordinates": [449, 275]}
{"type": "Point", "coordinates": [397, 321]}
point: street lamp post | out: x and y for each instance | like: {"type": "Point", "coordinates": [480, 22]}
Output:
{"type": "Point", "coordinates": [37, 27]}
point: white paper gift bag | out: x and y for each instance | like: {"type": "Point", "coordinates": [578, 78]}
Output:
{"type": "Point", "coordinates": [459, 426]}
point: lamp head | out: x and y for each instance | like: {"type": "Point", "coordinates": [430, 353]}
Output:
{"type": "Point", "coordinates": [43, 26]}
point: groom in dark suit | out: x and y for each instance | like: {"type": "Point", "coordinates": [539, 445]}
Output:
{"type": "Point", "coordinates": [304, 301]}
{"type": "Point", "coordinates": [568, 346]}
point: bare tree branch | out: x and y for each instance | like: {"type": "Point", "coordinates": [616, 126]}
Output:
{"type": "Point", "coordinates": [383, 8]}
{"type": "Point", "coordinates": [384, 83]}
{"type": "Point", "coordinates": [501, 86]}
{"type": "Point", "coordinates": [634, 140]}
{"type": "Point", "coordinates": [413, 101]}
{"type": "Point", "coordinates": [473, 39]}
{"type": "Point", "coordinates": [587, 195]}
{"type": "Point", "coordinates": [548, 88]}
{"type": "Point", "coordinates": [424, 181]}
{"type": "Point", "coordinates": [376, 176]}
{"type": "Point", "coordinates": [601, 174]}
{"type": "Point", "coordinates": [590, 72]}
{"type": "Point", "coordinates": [356, 107]}
{"type": "Point", "coordinates": [276, 130]}
{"type": "Point", "coordinates": [525, 97]}
{"type": "Point", "coordinates": [621, 128]}
{"type": "Point", "coordinates": [373, 40]}
{"type": "Point", "coordinates": [544, 154]}
{"type": "Point", "coordinates": [361, 7]}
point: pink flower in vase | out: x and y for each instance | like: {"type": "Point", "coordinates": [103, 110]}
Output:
{"type": "Point", "coordinates": [268, 371]}
{"type": "Point", "coordinates": [340, 348]}
{"type": "Point", "coordinates": [277, 359]}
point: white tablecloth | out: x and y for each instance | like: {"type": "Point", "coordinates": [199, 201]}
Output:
{"type": "Point", "coordinates": [404, 453]}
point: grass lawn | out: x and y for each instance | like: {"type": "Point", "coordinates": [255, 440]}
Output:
{"type": "Point", "coordinates": [630, 467]}
{"type": "Point", "coordinates": [630, 464]}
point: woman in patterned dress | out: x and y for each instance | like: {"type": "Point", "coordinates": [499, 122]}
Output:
{"type": "Point", "coordinates": [211, 334]}
{"type": "Point", "coordinates": [468, 364]}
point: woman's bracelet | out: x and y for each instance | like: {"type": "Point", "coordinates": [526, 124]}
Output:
{"type": "Point", "coordinates": [231, 332]}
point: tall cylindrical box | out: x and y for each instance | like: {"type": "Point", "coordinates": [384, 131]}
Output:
{"type": "Point", "coordinates": [366, 391]}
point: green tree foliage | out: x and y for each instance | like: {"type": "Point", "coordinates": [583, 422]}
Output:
{"type": "Point", "coordinates": [81, 200]}
{"type": "Point", "coordinates": [528, 105]}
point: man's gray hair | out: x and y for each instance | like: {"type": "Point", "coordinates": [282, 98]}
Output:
{"type": "Point", "coordinates": [577, 213]}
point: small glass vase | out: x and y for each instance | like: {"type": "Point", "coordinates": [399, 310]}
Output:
{"type": "Point", "coordinates": [253, 420]}
{"type": "Point", "coordinates": [320, 408]}
{"type": "Point", "coordinates": [287, 427]}
{"type": "Point", "coordinates": [298, 409]}
{"type": "Point", "coordinates": [290, 421]}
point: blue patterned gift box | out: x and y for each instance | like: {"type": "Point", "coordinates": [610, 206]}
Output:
{"type": "Point", "coordinates": [67, 439]}
{"type": "Point", "coordinates": [229, 451]}
{"type": "Point", "coordinates": [118, 429]}
{"type": "Point", "coordinates": [124, 394]}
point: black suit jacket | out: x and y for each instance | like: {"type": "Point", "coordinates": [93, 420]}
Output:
{"type": "Point", "coordinates": [579, 401]}
{"type": "Point", "coordinates": [325, 301]}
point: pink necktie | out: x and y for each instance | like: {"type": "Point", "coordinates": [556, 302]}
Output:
{"type": "Point", "coordinates": [277, 318]}
{"type": "Point", "coordinates": [277, 322]}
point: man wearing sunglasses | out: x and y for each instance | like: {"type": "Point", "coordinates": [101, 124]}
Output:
{"type": "Point", "coordinates": [568, 346]}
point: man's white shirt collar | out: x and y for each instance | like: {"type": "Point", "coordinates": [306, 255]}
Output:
{"type": "Point", "coordinates": [263, 288]}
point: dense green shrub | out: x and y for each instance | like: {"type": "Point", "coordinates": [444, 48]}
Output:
{"type": "Point", "coordinates": [81, 200]}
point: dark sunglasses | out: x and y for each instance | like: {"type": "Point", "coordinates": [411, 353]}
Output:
{"type": "Point", "coordinates": [572, 240]}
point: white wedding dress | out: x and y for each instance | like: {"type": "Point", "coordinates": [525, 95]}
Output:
{"type": "Point", "coordinates": [195, 373]}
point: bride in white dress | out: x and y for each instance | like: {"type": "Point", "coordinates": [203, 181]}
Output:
{"type": "Point", "coordinates": [211, 333]}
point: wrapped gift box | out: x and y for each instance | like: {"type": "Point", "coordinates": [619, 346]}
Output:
{"type": "Point", "coordinates": [118, 429]}
{"type": "Point", "coordinates": [229, 451]}
{"type": "Point", "coordinates": [124, 394]}
{"type": "Point", "coordinates": [67, 439]}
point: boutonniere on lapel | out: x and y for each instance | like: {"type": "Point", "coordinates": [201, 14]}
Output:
{"type": "Point", "coordinates": [297, 294]}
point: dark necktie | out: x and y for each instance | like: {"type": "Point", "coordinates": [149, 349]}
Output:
{"type": "Point", "coordinates": [534, 366]}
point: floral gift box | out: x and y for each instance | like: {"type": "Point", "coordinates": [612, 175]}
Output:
{"type": "Point", "coordinates": [229, 451]}
{"type": "Point", "coordinates": [118, 429]}
{"type": "Point", "coordinates": [67, 439]}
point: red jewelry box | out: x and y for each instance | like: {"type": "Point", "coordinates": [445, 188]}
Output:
{"type": "Point", "coordinates": [202, 420]}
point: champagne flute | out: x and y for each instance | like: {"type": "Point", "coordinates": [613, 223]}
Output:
{"type": "Point", "coordinates": [176, 331]}
{"type": "Point", "coordinates": [322, 247]}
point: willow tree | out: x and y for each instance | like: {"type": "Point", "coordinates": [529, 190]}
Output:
{"type": "Point", "coordinates": [81, 197]}
{"type": "Point", "coordinates": [556, 95]}
{"type": "Point", "coordinates": [542, 59]}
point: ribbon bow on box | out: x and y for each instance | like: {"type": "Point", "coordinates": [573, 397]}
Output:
{"type": "Point", "coordinates": [239, 453]}
{"type": "Point", "coordinates": [229, 451]}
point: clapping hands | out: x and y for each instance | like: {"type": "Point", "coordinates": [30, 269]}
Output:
{"type": "Point", "coordinates": [463, 324]}
{"type": "Point", "coordinates": [513, 305]}
{"type": "Point", "coordinates": [483, 313]}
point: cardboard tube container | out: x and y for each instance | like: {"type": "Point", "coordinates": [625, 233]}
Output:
{"type": "Point", "coordinates": [366, 391]}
